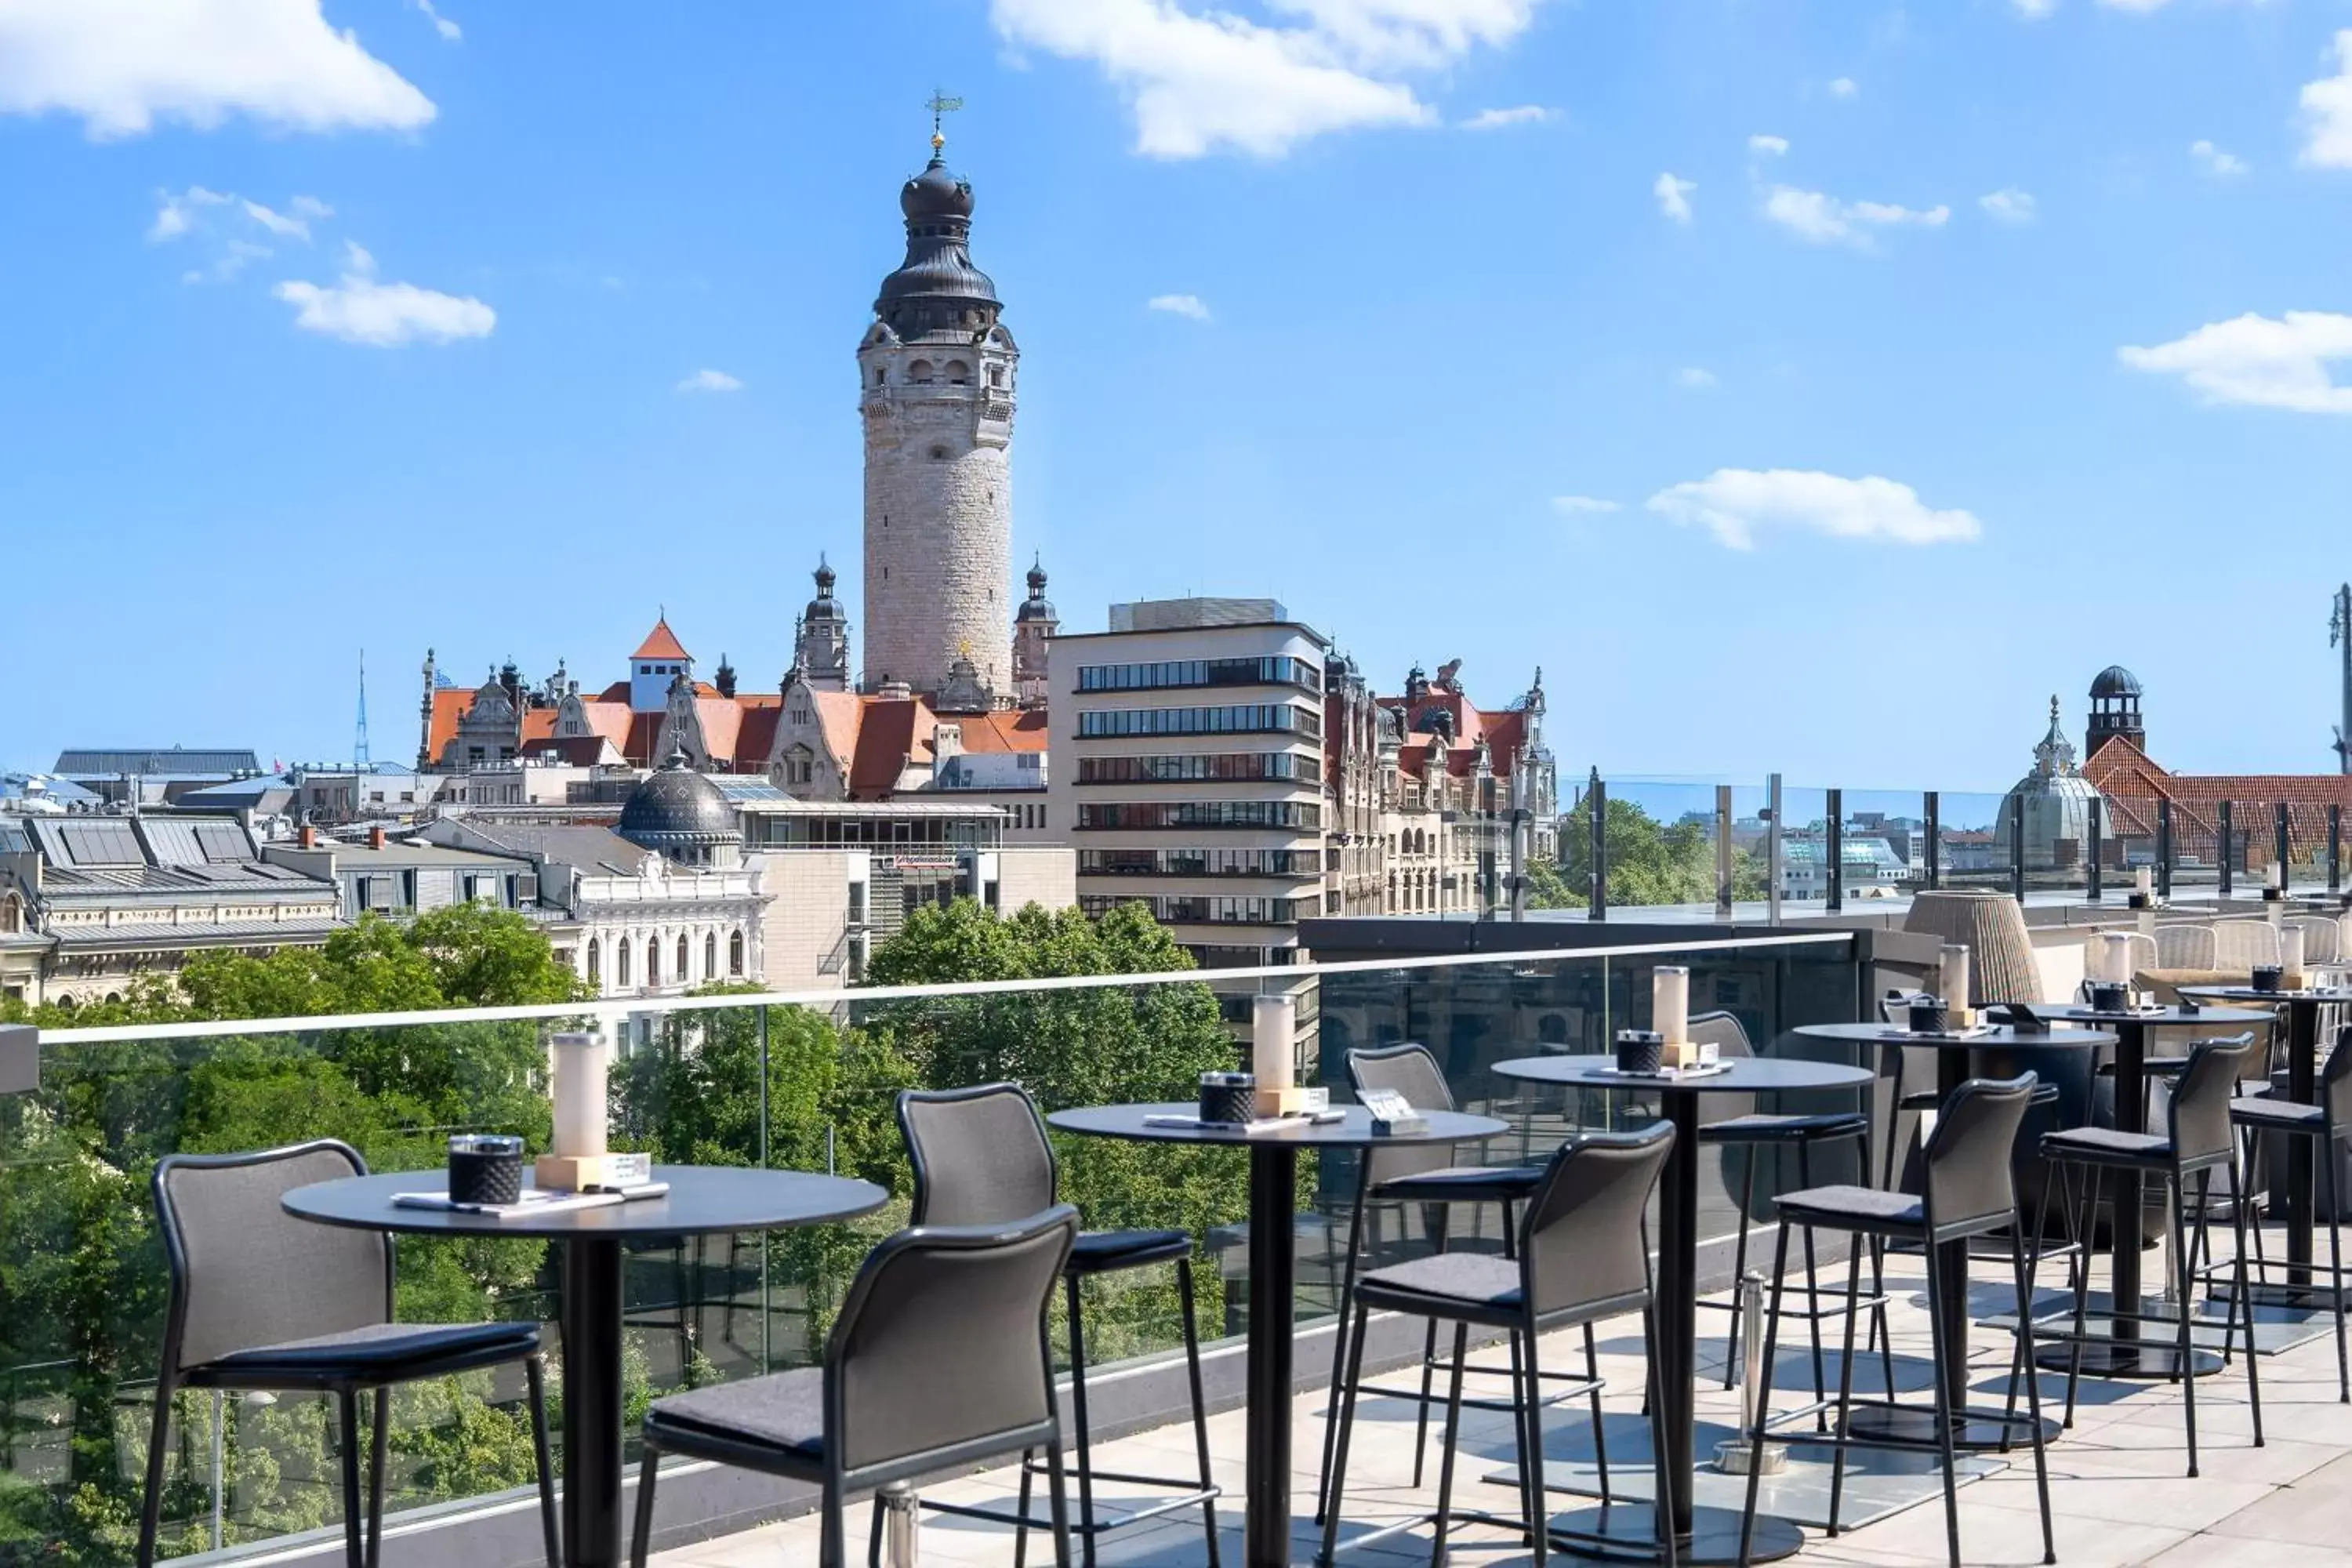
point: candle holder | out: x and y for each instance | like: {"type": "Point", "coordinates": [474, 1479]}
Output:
{"type": "Point", "coordinates": [1228, 1098]}
{"type": "Point", "coordinates": [485, 1168]}
{"type": "Point", "coordinates": [1929, 1015]}
{"type": "Point", "coordinates": [2110, 997]}
{"type": "Point", "coordinates": [2268, 978]}
{"type": "Point", "coordinates": [1640, 1050]}
{"type": "Point", "coordinates": [2141, 901]}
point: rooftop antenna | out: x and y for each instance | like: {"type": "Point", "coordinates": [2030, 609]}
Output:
{"type": "Point", "coordinates": [2339, 635]}
{"type": "Point", "coordinates": [359, 736]}
{"type": "Point", "coordinates": [940, 105]}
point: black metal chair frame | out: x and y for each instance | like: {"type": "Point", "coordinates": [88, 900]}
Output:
{"type": "Point", "coordinates": [2167, 1164]}
{"type": "Point", "coordinates": [837, 1480]}
{"type": "Point", "coordinates": [1435, 1193]}
{"type": "Point", "coordinates": [1932, 1231]}
{"type": "Point", "coordinates": [2329, 1132]}
{"type": "Point", "coordinates": [1203, 1489]}
{"type": "Point", "coordinates": [345, 1383]}
{"type": "Point", "coordinates": [1522, 1326]}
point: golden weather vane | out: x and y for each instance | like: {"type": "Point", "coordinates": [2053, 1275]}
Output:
{"type": "Point", "coordinates": [940, 105]}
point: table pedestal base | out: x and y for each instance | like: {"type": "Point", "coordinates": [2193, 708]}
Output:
{"type": "Point", "coordinates": [1969, 1435]}
{"type": "Point", "coordinates": [1627, 1533]}
{"type": "Point", "coordinates": [2129, 1358]}
{"type": "Point", "coordinates": [593, 1394]}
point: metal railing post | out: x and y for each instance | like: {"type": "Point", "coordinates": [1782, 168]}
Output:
{"type": "Point", "coordinates": [2017, 849]}
{"type": "Point", "coordinates": [767, 1299]}
{"type": "Point", "coordinates": [1772, 868]}
{"type": "Point", "coordinates": [1723, 851]}
{"type": "Point", "coordinates": [1935, 809]}
{"type": "Point", "coordinates": [1833, 850]}
{"type": "Point", "coordinates": [2286, 846]}
{"type": "Point", "coordinates": [1596, 802]}
{"type": "Point", "coordinates": [2164, 847]}
{"type": "Point", "coordinates": [20, 1058]}
{"type": "Point", "coordinates": [2228, 854]}
{"type": "Point", "coordinates": [2336, 849]}
{"type": "Point", "coordinates": [2098, 848]}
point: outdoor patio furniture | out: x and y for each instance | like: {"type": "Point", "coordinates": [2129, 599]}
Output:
{"type": "Point", "coordinates": [2184, 947]}
{"type": "Point", "coordinates": [1967, 1191]}
{"type": "Point", "coordinates": [981, 1156]}
{"type": "Point", "coordinates": [263, 1302]}
{"type": "Point", "coordinates": [1580, 1259]}
{"type": "Point", "coordinates": [2239, 946]}
{"type": "Point", "coordinates": [1992, 927]}
{"type": "Point", "coordinates": [2329, 1123]}
{"type": "Point", "coordinates": [941, 1357]}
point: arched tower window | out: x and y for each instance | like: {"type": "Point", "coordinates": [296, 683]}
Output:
{"type": "Point", "coordinates": [958, 373]}
{"type": "Point", "coordinates": [684, 973]}
{"type": "Point", "coordinates": [595, 964]}
{"type": "Point", "coordinates": [919, 373]}
{"type": "Point", "coordinates": [653, 961]}
{"type": "Point", "coordinates": [710, 955]}
{"type": "Point", "coordinates": [735, 953]}
{"type": "Point", "coordinates": [624, 961]}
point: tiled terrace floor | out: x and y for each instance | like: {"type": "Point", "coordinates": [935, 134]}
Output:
{"type": "Point", "coordinates": [2117, 1478]}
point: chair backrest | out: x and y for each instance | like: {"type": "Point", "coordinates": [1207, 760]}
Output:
{"type": "Point", "coordinates": [1581, 1238]}
{"type": "Point", "coordinates": [1967, 1159]}
{"type": "Point", "coordinates": [2335, 1081]}
{"type": "Point", "coordinates": [1894, 1007]}
{"type": "Point", "coordinates": [2322, 939]}
{"type": "Point", "coordinates": [2144, 956]}
{"type": "Point", "coordinates": [2238, 946]}
{"type": "Point", "coordinates": [246, 1273]}
{"type": "Point", "coordinates": [1412, 1071]}
{"type": "Point", "coordinates": [981, 1155]}
{"type": "Point", "coordinates": [1728, 1036]}
{"type": "Point", "coordinates": [942, 1342]}
{"type": "Point", "coordinates": [2184, 947]}
{"type": "Point", "coordinates": [2199, 1113]}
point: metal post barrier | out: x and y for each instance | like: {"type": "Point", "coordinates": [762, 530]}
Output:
{"type": "Point", "coordinates": [1833, 850]}
{"type": "Point", "coordinates": [2098, 848]}
{"type": "Point", "coordinates": [2335, 848]}
{"type": "Point", "coordinates": [2228, 856]}
{"type": "Point", "coordinates": [902, 1516]}
{"type": "Point", "coordinates": [1596, 803]}
{"type": "Point", "coordinates": [220, 1401]}
{"type": "Point", "coordinates": [1723, 851]}
{"type": "Point", "coordinates": [1731, 1456]}
{"type": "Point", "coordinates": [1934, 801]}
{"type": "Point", "coordinates": [2017, 850]}
{"type": "Point", "coordinates": [1772, 867]}
{"type": "Point", "coordinates": [2164, 847]}
{"type": "Point", "coordinates": [2284, 845]}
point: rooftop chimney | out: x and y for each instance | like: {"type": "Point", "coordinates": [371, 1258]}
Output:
{"type": "Point", "coordinates": [375, 836]}
{"type": "Point", "coordinates": [307, 837]}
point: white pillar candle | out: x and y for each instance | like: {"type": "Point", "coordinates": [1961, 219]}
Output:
{"type": "Point", "coordinates": [1952, 978]}
{"type": "Point", "coordinates": [2291, 952]}
{"type": "Point", "coordinates": [2117, 967]}
{"type": "Point", "coordinates": [2271, 875]}
{"type": "Point", "coordinates": [1670, 1003]}
{"type": "Point", "coordinates": [580, 1105]}
{"type": "Point", "coordinates": [1274, 1026]}
{"type": "Point", "coordinates": [2144, 882]}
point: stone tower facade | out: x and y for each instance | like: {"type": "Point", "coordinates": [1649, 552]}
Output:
{"type": "Point", "coordinates": [936, 372]}
{"type": "Point", "coordinates": [821, 645]}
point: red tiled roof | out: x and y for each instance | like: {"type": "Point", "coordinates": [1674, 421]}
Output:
{"type": "Point", "coordinates": [891, 732]}
{"type": "Point", "coordinates": [2132, 784]}
{"type": "Point", "coordinates": [661, 643]}
{"type": "Point", "coordinates": [580, 751]}
{"type": "Point", "coordinates": [1005, 730]}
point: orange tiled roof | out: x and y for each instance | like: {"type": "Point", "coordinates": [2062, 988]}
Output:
{"type": "Point", "coordinates": [1005, 730]}
{"type": "Point", "coordinates": [2132, 784]}
{"type": "Point", "coordinates": [661, 643]}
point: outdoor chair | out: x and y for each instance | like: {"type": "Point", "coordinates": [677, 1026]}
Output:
{"type": "Point", "coordinates": [262, 1301]}
{"type": "Point", "coordinates": [940, 1358]}
{"type": "Point", "coordinates": [1968, 1189]}
{"type": "Point", "coordinates": [1425, 1175]}
{"type": "Point", "coordinates": [2329, 1123]}
{"type": "Point", "coordinates": [1579, 1257]}
{"type": "Point", "coordinates": [2186, 947]}
{"type": "Point", "coordinates": [2198, 1142]}
{"type": "Point", "coordinates": [2240, 945]}
{"type": "Point", "coordinates": [982, 1157]}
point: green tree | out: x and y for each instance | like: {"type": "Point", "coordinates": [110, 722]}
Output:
{"type": "Point", "coordinates": [1648, 862]}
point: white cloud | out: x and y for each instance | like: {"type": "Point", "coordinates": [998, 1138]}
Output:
{"type": "Point", "coordinates": [359, 309]}
{"type": "Point", "coordinates": [1582, 506]}
{"type": "Point", "coordinates": [2034, 10]}
{"type": "Point", "coordinates": [1696, 377]}
{"type": "Point", "coordinates": [710, 380]}
{"type": "Point", "coordinates": [1673, 196]}
{"type": "Point", "coordinates": [121, 65]}
{"type": "Point", "coordinates": [276, 223]}
{"type": "Point", "coordinates": [2259, 361]}
{"type": "Point", "coordinates": [1209, 80]}
{"type": "Point", "coordinates": [177, 214]}
{"type": "Point", "coordinates": [311, 206]}
{"type": "Point", "coordinates": [1495, 119]}
{"type": "Point", "coordinates": [2213, 161]}
{"type": "Point", "coordinates": [1185, 305]}
{"type": "Point", "coordinates": [2327, 111]}
{"type": "Point", "coordinates": [2011, 205]}
{"type": "Point", "coordinates": [1825, 220]}
{"type": "Point", "coordinates": [1843, 87]}
{"type": "Point", "coordinates": [1737, 505]}
{"type": "Point", "coordinates": [1769, 146]}
{"type": "Point", "coordinates": [450, 32]}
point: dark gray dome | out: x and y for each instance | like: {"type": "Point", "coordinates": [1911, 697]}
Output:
{"type": "Point", "coordinates": [937, 290]}
{"type": "Point", "coordinates": [677, 809]}
{"type": "Point", "coordinates": [2116, 681]}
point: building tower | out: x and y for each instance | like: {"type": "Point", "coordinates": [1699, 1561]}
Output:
{"type": "Point", "coordinates": [1033, 626]}
{"type": "Point", "coordinates": [821, 642]}
{"type": "Point", "coordinates": [2115, 710]}
{"type": "Point", "coordinates": [936, 371]}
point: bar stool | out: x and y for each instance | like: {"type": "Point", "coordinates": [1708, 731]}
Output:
{"type": "Point", "coordinates": [2198, 1143]}
{"type": "Point", "coordinates": [1425, 1175]}
{"type": "Point", "coordinates": [982, 1157]}
{"type": "Point", "coordinates": [2330, 1123]}
{"type": "Point", "coordinates": [1757, 1133]}
{"type": "Point", "coordinates": [1580, 1259]}
{"type": "Point", "coordinates": [1968, 1190]}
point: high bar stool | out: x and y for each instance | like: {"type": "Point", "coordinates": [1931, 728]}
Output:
{"type": "Point", "coordinates": [1968, 1189]}
{"type": "Point", "coordinates": [2198, 1142]}
{"type": "Point", "coordinates": [2330, 1123]}
{"type": "Point", "coordinates": [982, 1156]}
{"type": "Point", "coordinates": [1425, 1173]}
{"type": "Point", "coordinates": [1580, 1259]}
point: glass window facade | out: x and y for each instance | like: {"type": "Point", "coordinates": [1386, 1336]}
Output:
{"type": "Point", "coordinates": [1278, 814]}
{"type": "Point", "coordinates": [1272, 669]}
{"type": "Point", "coordinates": [1196, 863]}
{"type": "Point", "coordinates": [1223, 767]}
{"type": "Point", "coordinates": [1198, 909]}
{"type": "Point", "coordinates": [1237, 718]}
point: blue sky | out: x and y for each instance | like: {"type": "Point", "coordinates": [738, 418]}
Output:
{"type": "Point", "coordinates": [1805, 387]}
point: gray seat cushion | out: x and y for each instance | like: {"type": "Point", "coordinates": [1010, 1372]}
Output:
{"type": "Point", "coordinates": [1464, 1185]}
{"type": "Point", "coordinates": [2106, 1146]}
{"type": "Point", "coordinates": [1105, 1251]}
{"type": "Point", "coordinates": [783, 1411]}
{"type": "Point", "coordinates": [1477, 1283]}
{"type": "Point", "coordinates": [1774, 1128]}
{"type": "Point", "coordinates": [2283, 1114]}
{"type": "Point", "coordinates": [380, 1352]}
{"type": "Point", "coordinates": [1866, 1207]}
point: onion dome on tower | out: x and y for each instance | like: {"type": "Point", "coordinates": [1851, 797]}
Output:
{"type": "Point", "coordinates": [936, 289]}
{"type": "Point", "coordinates": [2115, 710]}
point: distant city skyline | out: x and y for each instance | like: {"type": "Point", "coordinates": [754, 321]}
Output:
{"type": "Point", "coordinates": [1806, 387]}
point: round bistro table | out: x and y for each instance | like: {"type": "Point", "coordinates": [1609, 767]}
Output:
{"type": "Point", "coordinates": [1272, 1189]}
{"type": "Point", "coordinates": [2303, 1088]}
{"type": "Point", "coordinates": [1676, 1293]}
{"type": "Point", "coordinates": [1954, 1062]}
{"type": "Point", "coordinates": [702, 1200]}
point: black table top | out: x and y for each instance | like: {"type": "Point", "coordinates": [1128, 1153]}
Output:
{"type": "Point", "coordinates": [1741, 1075]}
{"type": "Point", "coordinates": [1354, 1132]}
{"type": "Point", "coordinates": [2248, 993]}
{"type": "Point", "coordinates": [701, 1200]}
{"type": "Point", "coordinates": [2163, 1015]}
{"type": "Point", "coordinates": [1999, 1035]}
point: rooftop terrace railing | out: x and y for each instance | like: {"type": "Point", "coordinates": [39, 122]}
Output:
{"type": "Point", "coordinates": [800, 1080]}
